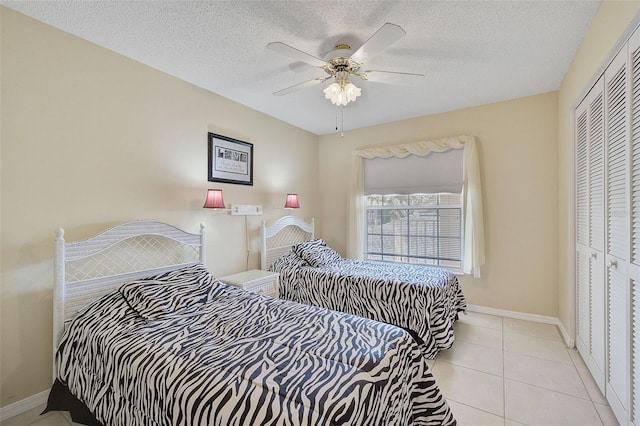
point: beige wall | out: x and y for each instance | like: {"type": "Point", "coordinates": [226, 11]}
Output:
{"type": "Point", "coordinates": [517, 144]}
{"type": "Point", "coordinates": [91, 139]}
{"type": "Point", "coordinates": [608, 26]}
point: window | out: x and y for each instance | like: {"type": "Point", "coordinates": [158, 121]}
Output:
{"type": "Point", "coordinates": [408, 170]}
{"type": "Point", "coordinates": [415, 228]}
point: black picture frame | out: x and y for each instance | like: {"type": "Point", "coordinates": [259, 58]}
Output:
{"type": "Point", "coordinates": [230, 160]}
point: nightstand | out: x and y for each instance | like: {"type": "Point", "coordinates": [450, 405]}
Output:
{"type": "Point", "coordinates": [258, 281]}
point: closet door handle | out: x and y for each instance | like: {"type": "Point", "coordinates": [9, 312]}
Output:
{"type": "Point", "coordinates": [612, 264]}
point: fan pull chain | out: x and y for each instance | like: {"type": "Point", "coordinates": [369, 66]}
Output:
{"type": "Point", "coordinates": [341, 109]}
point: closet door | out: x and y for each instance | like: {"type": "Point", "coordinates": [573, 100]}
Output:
{"type": "Point", "coordinates": [617, 244]}
{"type": "Point", "coordinates": [597, 232]}
{"type": "Point", "coordinates": [583, 285]}
{"type": "Point", "coordinates": [634, 266]}
{"type": "Point", "coordinates": [590, 227]}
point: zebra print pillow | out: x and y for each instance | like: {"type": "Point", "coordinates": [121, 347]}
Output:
{"type": "Point", "coordinates": [316, 253]}
{"type": "Point", "coordinates": [179, 292]}
{"type": "Point", "coordinates": [290, 260]}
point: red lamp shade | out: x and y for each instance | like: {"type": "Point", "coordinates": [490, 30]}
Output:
{"type": "Point", "coordinates": [214, 199]}
{"type": "Point", "coordinates": [292, 202]}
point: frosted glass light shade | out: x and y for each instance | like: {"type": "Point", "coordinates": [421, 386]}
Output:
{"type": "Point", "coordinates": [292, 202]}
{"type": "Point", "coordinates": [214, 199]}
{"type": "Point", "coordinates": [342, 96]}
{"type": "Point", "coordinates": [352, 92]}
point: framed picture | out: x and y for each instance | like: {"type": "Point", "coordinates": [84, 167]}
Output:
{"type": "Point", "coordinates": [230, 160]}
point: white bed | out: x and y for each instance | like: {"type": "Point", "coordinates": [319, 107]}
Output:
{"type": "Point", "coordinates": [421, 299]}
{"type": "Point", "coordinates": [144, 334]}
{"type": "Point", "coordinates": [278, 238]}
{"type": "Point", "coordinates": [88, 269]}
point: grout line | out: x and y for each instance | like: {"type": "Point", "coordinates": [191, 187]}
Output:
{"type": "Point", "coordinates": [538, 357]}
{"type": "Point", "coordinates": [597, 412]}
{"type": "Point", "coordinates": [475, 408]}
{"type": "Point", "coordinates": [552, 390]}
{"type": "Point", "coordinates": [585, 385]}
{"type": "Point", "coordinates": [548, 339]}
{"type": "Point", "coordinates": [474, 369]}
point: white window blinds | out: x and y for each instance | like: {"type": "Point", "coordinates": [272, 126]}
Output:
{"type": "Point", "coordinates": [434, 173]}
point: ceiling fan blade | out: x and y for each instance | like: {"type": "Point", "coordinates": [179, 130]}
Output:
{"type": "Point", "coordinates": [380, 40]}
{"type": "Point", "coordinates": [401, 78]}
{"type": "Point", "coordinates": [299, 55]}
{"type": "Point", "coordinates": [299, 86]}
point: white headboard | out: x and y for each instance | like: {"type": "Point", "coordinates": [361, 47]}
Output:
{"type": "Point", "coordinates": [87, 270]}
{"type": "Point", "coordinates": [278, 238]}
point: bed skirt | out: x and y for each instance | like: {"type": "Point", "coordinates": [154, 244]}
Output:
{"type": "Point", "coordinates": [61, 399]}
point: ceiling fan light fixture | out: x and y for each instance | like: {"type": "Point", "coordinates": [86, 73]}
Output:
{"type": "Point", "coordinates": [342, 94]}
{"type": "Point", "coordinates": [342, 63]}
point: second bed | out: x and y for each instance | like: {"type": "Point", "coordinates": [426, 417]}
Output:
{"type": "Point", "coordinates": [423, 300]}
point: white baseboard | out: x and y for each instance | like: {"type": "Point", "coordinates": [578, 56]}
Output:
{"type": "Point", "coordinates": [24, 405]}
{"type": "Point", "coordinates": [568, 340]}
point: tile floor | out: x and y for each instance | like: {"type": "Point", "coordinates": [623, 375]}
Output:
{"type": "Point", "coordinates": [501, 371]}
{"type": "Point", "coordinates": [509, 372]}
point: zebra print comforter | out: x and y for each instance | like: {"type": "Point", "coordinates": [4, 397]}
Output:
{"type": "Point", "coordinates": [186, 349]}
{"type": "Point", "coordinates": [425, 300]}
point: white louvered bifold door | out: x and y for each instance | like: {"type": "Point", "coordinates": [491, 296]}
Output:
{"type": "Point", "coordinates": [590, 280]}
{"type": "Point", "coordinates": [634, 266]}
{"type": "Point", "coordinates": [583, 287]}
{"type": "Point", "coordinates": [597, 232]}
{"type": "Point", "coordinates": [617, 245]}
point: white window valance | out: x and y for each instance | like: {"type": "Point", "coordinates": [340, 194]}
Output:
{"type": "Point", "coordinates": [473, 244]}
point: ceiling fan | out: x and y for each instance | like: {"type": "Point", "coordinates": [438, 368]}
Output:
{"type": "Point", "coordinates": [342, 63]}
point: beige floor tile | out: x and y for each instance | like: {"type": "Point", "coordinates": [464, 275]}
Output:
{"type": "Point", "coordinates": [51, 419]}
{"type": "Point", "coordinates": [606, 415]}
{"type": "Point", "coordinates": [546, 374]}
{"type": "Point", "coordinates": [470, 387]}
{"type": "Point", "coordinates": [431, 363]}
{"type": "Point", "coordinates": [469, 416]}
{"type": "Point", "coordinates": [587, 378]}
{"type": "Point", "coordinates": [509, 422]}
{"type": "Point", "coordinates": [535, 329]}
{"type": "Point", "coordinates": [484, 336]}
{"type": "Point", "coordinates": [576, 358]}
{"type": "Point", "coordinates": [590, 385]}
{"type": "Point", "coordinates": [536, 347]}
{"type": "Point", "coordinates": [476, 357]}
{"type": "Point", "coordinates": [483, 320]}
{"type": "Point", "coordinates": [533, 406]}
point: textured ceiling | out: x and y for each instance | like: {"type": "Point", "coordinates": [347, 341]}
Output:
{"type": "Point", "coordinates": [471, 52]}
